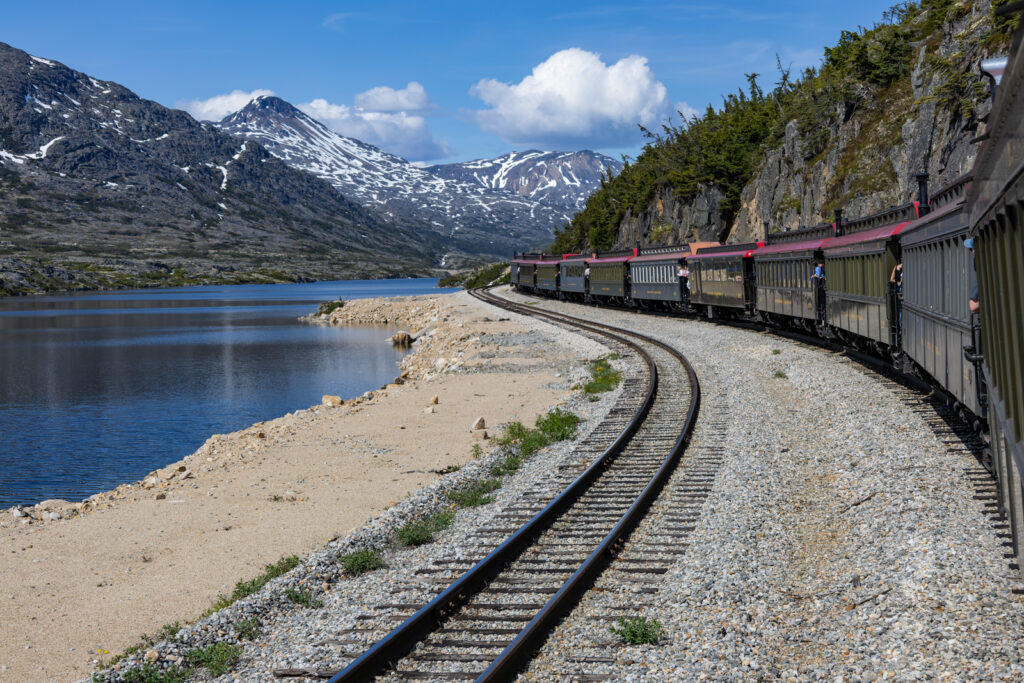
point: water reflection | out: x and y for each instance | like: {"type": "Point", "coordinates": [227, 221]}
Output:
{"type": "Point", "coordinates": [101, 388]}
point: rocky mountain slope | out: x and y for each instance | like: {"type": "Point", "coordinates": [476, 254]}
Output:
{"type": "Point", "coordinates": [887, 103]}
{"type": "Point", "coordinates": [469, 218]}
{"type": "Point", "coordinates": [561, 180]}
{"type": "Point", "coordinates": [99, 187]}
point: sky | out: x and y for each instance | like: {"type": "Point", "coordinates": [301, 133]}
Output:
{"type": "Point", "coordinates": [443, 82]}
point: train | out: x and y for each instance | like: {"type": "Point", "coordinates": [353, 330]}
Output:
{"type": "Point", "coordinates": [933, 287]}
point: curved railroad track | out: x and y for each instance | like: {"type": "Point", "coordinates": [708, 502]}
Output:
{"type": "Point", "coordinates": [490, 620]}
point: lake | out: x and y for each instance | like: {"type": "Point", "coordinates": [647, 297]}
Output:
{"type": "Point", "coordinates": [101, 388]}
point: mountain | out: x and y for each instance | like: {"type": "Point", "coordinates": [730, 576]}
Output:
{"type": "Point", "coordinates": [100, 187]}
{"type": "Point", "coordinates": [468, 218]}
{"type": "Point", "coordinates": [562, 180]}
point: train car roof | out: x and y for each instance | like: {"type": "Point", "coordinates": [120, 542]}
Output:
{"type": "Point", "coordinates": [667, 256]}
{"type": "Point", "coordinates": [872, 235]}
{"type": "Point", "coordinates": [610, 259]}
{"type": "Point", "coordinates": [784, 247]}
{"type": "Point", "coordinates": [745, 251]}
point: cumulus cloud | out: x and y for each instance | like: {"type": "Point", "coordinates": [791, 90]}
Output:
{"type": "Point", "coordinates": [387, 118]}
{"type": "Point", "coordinates": [410, 99]}
{"type": "Point", "coordinates": [219, 106]}
{"type": "Point", "coordinates": [573, 98]}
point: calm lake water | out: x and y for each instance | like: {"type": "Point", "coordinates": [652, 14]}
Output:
{"type": "Point", "coordinates": [101, 388]}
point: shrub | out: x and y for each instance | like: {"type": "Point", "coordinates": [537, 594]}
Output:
{"type": "Point", "coordinates": [638, 630]}
{"type": "Point", "coordinates": [361, 561]}
{"type": "Point", "coordinates": [152, 674]}
{"type": "Point", "coordinates": [559, 424]}
{"type": "Point", "coordinates": [328, 307]}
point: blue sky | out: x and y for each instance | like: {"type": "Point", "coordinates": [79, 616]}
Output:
{"type": "Point", "coordinates": [442, 81]}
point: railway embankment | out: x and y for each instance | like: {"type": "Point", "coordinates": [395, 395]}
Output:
{"type": "Point", "coordinates": [842, 538]}
{"type": "Point", "coordinates": [85, 583]}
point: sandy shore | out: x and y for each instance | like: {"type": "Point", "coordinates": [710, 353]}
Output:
{"type": "Point", "coordinates": [124, 563]}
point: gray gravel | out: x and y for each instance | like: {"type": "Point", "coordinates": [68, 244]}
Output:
{"type": "Point", "coordinates": [841, 541]}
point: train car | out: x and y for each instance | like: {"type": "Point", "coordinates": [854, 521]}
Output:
{"type": "Point", "coordinates": [546, 272]}
{"type": "Point", "coordinates": [935, 319]}
{"type": "Point", "coordinates": [996, 204]}
{"type": "Point", "coordinates": [522, 269]}
{"type": "Point", "coordinates": [654, 275]}
{"type": "Point", "coordinates": [858, 263]}
{"type": "Point", "coordinates": [722, 279]}
{"type": "Point", "coordinates": [572, 281]}
{"type": "Point", "coordinates": [608, 276]}
{"type": "Point", "coordinates": [786, 291]}
{"type": "Point", "coordinates": [513, 273]}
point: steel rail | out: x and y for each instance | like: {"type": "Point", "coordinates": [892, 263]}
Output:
{"type": "Point", "coordinates": [403, 638]}
{"type": "Point", "coordinates": [518, 653]}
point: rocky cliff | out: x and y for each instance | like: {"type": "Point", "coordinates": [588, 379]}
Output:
{"type": "Point", "coordinates": [874, 147]}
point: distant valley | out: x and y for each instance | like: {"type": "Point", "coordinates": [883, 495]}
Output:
{"type": "Point", "coordinates": [101, 188]}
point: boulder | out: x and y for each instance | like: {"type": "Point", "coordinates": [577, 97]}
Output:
{"type": "Point", "coordinates": [479, 424]}
{"type": "Point", "coordinates": [402, 338]}
{"type": "Point", "coordinates": [329, 400]}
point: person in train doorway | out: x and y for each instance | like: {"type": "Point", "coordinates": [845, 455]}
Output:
{"type": "Point", "coordinates": [819, 285]}
{"type": "Point", "coordinates": [683, 273]}
{"type": "Point", "coordinates": [896, 285]}
{"type": "Point", "coordinates": [973, 302]}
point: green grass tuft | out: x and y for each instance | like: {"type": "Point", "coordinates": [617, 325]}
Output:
{"type": "Point", "coordinates": [781, 375]}
{"type": "Point", "coordinates": [304, 597]}
{"type": "Point", "coordinates": [605, 377]}
{"type": "Point", "coordinates": [421, 531]}
{"type": "Point", "coordinates": [475, 493]}
{"type": "Point", "coordinates": [638, 630]}
{"type": "Point", "coordinates": [361, 561]}
{"type": "Point", "coordinates": [328, 307]}
{"type": "Point", "coordinates": [218, 658]}
{"type": "Point", "coordinates": [247, 629]}
{"type": "Point", "coordinates": [244, 589]}
{"type": "Point", "coordinates": [152, 674]}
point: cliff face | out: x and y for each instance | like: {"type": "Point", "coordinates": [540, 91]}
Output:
{"type": "Point", "coordinates": [873, 153]}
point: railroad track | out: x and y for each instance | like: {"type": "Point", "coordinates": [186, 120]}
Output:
{"type": "Point", "coordinates": [490, 619]}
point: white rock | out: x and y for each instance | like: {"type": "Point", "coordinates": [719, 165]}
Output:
{"type": "Point", "coordinates": [479, 424]}
{"type": "Point", "coordinates": [329, 400]}
{"type": "Point", "coordinates": [17, 512]}
{"type": "Point", "coordinates": [434, 400]}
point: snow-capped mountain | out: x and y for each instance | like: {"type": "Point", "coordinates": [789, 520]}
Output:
{"type": "Point", "coordinates": [91, 173]}
{"type": "Point", "coordinates": [561, 180]}
{"type": "Point", "coordinates": [473, 218]}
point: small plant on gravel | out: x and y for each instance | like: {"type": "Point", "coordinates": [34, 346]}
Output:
{"type": "Point", "coordinates": [510, 464]}
{"type": "Point", "coordinates": [776, 352]}
{"type": "Point", "coordinates": [244, 589]}
{"type": "Point", "coordinates": [559, 424]}
{"type": "Point", "coordinates": [476, 451]}
{"type": "Point", "coordinates": [153, 674]}
{"type": "Point", "coordinates": [605, 377]}
{"type": "Point", "coordinates": [247, 629]}
{"type": "Point", "coordinates": [421, 531]}
{"type": "Point", "coordinates": [476, 493]}
{"type": "Point", "coordinates": [781, 375]}
{"type": "Point", "coordinates": [327, 307]}
{"type": "Point", "coordinates": [304, 597]}
{"type": "Point", "coordinates": [638, 630]}
{"type": "Point", "coordinates": [361, 561]}
{"type": "Point", "coordinates": [218, 659]}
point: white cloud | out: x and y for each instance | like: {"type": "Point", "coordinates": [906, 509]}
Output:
{"type": "Point", "coordinates": [685, 111]}
{"type": "Point", "coordinates": [573, 98]}
{"type": "Point", "coordinates": [219, 106]}
{"type": "Point", "coordinates": [385, 118]}
{"type": "Point", "coordinates": [411, 98]}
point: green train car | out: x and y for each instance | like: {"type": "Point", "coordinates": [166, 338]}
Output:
{"type": "Point", "coordinates": [996, 204]}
